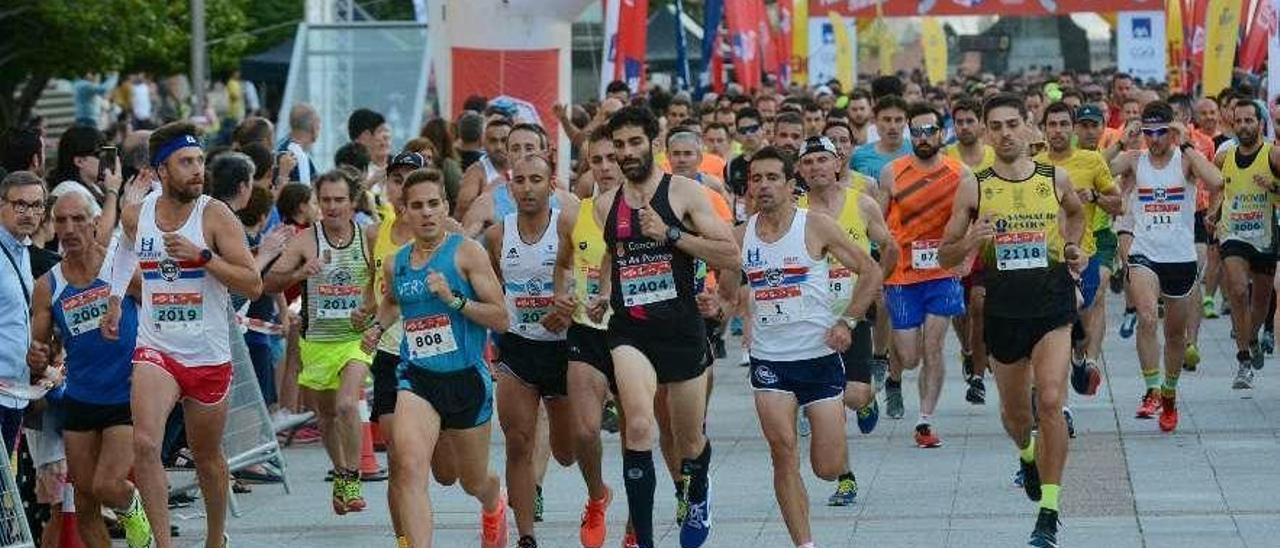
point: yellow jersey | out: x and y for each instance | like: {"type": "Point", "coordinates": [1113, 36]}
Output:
{"type": "Point", "coordinates": [1088, 170]}
{"type": "Point", "coordinates": [1248, 210]}
{"type": "Point", "coordinates": [588, 252]}
{"type": "Point", "coordinates": [854, 224]}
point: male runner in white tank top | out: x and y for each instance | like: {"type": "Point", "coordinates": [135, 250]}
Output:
{"type": "Point", "coordinates": [1162, 257]}
{"type": "Point", "coordinates": [192, 252]}
{"type": "Point", "coordinates": [796, 336]}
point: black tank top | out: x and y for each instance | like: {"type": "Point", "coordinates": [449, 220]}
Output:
{"type": "Point", "coordinates": [653, 282]}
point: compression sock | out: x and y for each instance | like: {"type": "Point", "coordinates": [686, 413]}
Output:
{"type": "Point", "coordinates": [1152, 378]}
{"type": "Point", "coordinates": [698, 475]}
{"type": "Point", "coordinates": [1049, 496]}
{"type": "Point", "coordinates": [640, 482]}
{"type": "Point", "coordinates": [1170, 386]}
{"type": "Point", "coordinates": [1028, 453]}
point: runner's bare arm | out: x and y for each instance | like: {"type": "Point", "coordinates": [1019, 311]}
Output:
{"type": "Point", "coordinates": [731, 278]}
{"type": "Point", "coordinates": [232, 263]}
{"type": "Point", "coordinates": [493, 247]}
{"type": "Point", "coordinates": [487, 309]}
{"type": "Point", "coordinates": [714, 242]}
{"type": "Point", "coordinates": [878, 232]}
{"type": "Point", "coordinates": [884, 188]}
{"type": "Point", "coordinates": [1110, 200]}
{"type": "Point", "coordinates": [290, 269]}
{"type": "Point", "coordinates": [1069, 201]}
{"type": "Point", "coordinates": [1203, 169]}
{"type": "Point", "coordinates": [478, 216]}
{"type": "Point", "coordinates": [470, 188]}
{"type": "Point", "coordinates": [564, 251]}
{"type": "Point", "coordinates": [388, 312]}
{"type": "Point", "coordinates": [837, 244]}
{"type": "Point", "coordinates": [38, 353]}
{"type": "Point", "coordinates": [369, 294]}
{"type": "Point", "coordinates": [962, 235]}
{"type": "Point", "coordinates": [1123, 164]}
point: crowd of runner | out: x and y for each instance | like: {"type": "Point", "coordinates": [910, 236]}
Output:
{"type": "Point", "coordinates": [843, 235]}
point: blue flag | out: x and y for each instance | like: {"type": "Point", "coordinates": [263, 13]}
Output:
{"type": "Point", "coordinates": [712, 14]}
{"type": "Point", "coordinates": [682, 50]}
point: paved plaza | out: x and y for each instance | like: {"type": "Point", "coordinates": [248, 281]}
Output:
{"type": "Point", "coordinates": [1214, 483]}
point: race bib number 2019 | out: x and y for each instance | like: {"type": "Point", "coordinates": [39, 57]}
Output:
{"type": "Point", "coordinates": [177, 311]}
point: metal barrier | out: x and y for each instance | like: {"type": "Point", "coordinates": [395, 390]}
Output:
{"type": "Point", "coordinates": [250, 436]}
{"type": "Point", "coordinates": [14, 530]}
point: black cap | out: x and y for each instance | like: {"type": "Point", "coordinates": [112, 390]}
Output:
{"type": "Point", "coordinates": [1091, 113]}
{"type": "Point", "coordinates": [818, 144]}
{"type": "Point", "coordinates": [409, 159]}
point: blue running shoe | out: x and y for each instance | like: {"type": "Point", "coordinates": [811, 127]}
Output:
{"type": "Point", "coordinates": [869, 416]}
{"type": "Point", "coordinates": [1128, 323]}
{"type": "Point", "coordinates": [846, 493]}
{"type": "Point", "coordinates": [697, 523]}
{"type": "Point", "coordinates": [1045, 534]}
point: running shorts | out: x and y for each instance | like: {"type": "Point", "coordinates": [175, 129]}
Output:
{"type": "Point", "coordinates": [1176, 279]}
{"type": "Point", "coordinates": [1107, 242]}
{"type": "Point", "coordinates": [674, 356]}
{"type": "Point", "coordinates": [1260, 262]}
{"type": "Point", "coordinates": [812, 380]}
{"type": "Point", "coordinates": [1090, 279]}
{"type": "Point", "coordinates": [323, 362]}
{"type": "Point", "coordinates": [857, 358]}
{"type": "Point", "coordinates": [1010, 340]}
{"type": "Point", "coordinates": [385, 383]}
{"type": "Point", "coordinates": [909, 304]}
{"type": "Point", "coordinates": [463, 398]}
{"type": "Point", "coordinates": [207, 385]}
{"type": "Point", "coordinates": [588, 345]}
{"type": "Point", "coordinates": [78, 416]}
{"type": "Point", "coordinates": [540, 365]}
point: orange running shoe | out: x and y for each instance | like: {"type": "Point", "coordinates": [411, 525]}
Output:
{"type": "Point", "coordinates": [1150, 405]}
{"type": "Point", "coordinates": [493, 525]}
{"type": "Point", "coordinates": [592, 530]}
{"type": "Point", "coordinates": [925, 438]}
{"type": "Point", "coordinates": [1168, 413]}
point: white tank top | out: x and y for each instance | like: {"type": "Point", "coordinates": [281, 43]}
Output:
{"type": "Point", "coordinates": [184, 308]}
{"type": "Point", "coordinates": [527, 275]}
{"type": "Point", "coordinates": [790, 295]}
{"type": "Point", "coordinates": [1163, 207]}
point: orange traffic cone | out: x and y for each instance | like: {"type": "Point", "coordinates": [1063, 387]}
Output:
{"type": "Point", "coordinates": [370, 469]}
{"type": "Point", "coordinates": [69, 535]}
{"type": "Point", "coordinates": [379, 441]}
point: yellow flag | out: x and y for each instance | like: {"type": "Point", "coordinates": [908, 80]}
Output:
{"type": "Point", "coordinates": [1222, 25]}
{"type": "Point", "coordinates": [888, 46]}
{"type": "Point", "coordinates": [799, 41]}
{"type": "Point", "coordinates": [1175, 48]}
{"type": "Point", "coordinates": [934, 43]}
{"type": "Point", "coordinates": [844, 50]}
{"type": "Point", "coordinates": [1109, 17]}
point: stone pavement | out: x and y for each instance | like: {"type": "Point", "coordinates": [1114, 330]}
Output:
{"type": "Point", "coordinates": [1215, 482]}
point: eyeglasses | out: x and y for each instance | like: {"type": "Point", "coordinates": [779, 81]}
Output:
{"type": "Point", "coordinates": [928, 130]}
{"type": "Point", "coordinates": [23, 208]}
{"type": "Point", "coordinates": [748, 130]}
{"type": "Point", "coordinates": [1155, 132]}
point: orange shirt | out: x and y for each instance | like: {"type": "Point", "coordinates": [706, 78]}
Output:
{"type": "Point", "coordinates": [1110, 136]}
{"type": "Point", "coordinates": [918, 212]}
{"type": "Point", "coordinates": [712, 165]}
{"type": "Point", "coordinates": [1204, 144]}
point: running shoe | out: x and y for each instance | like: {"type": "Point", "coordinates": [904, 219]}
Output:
{"type": "Point", "coordinates": [381, 474]}
{"type": "Point", "coordinates": [744, 359]}
{"type": "Point", "coordinates": [697, 522]}
{"type": "Point", "coordinates": [592, 530]}
{"type": "Point", "coordinates": [537, 503]}
{"type": "Point", "coordinates": [879, 367]}
{"type": "Point", "coordinates": [354, 495]}
{"type": "Point", "coordinates": [137, 528]}
{"type": "Point", "coordinates": [1168, 413]}
{"type": "Point", "coordinates": [1071, 422]}
{"type": "Point", "coordinates": [1191, 358]}
{"type": "Point", "coordinates": [1225, 309]}
{"type": "Point", "coordinates": [1210, 311]}
{"type": "Point", "coordinates": [846, 493]}
{"type": "Point", "coordinates": [802, 424]}
{"type": "Point", "coordinates": [966, 364]}
{"type": "Point", "coordinates": [1244, 377]}
{"type": "Point", "coordinates": [682, 502]}
{"type": "Point", "coordinates": [1268, 342]}
{"type": "Point", "coordinates": [1128, 323]}
{"type": "Point", "coordinates": [1085, 378]}
{"type": "Point", "coordinates": [1045, 534]}
{"type": "Point", "coordinates": [629, 540]}
{"type": "Point", "coordinates": [527, 541]}
{"type": "Point", "coordinates": [977, 391]}
{"type": "Point", "coordinates": [925, 438]}
{"type": "Point", "coordinates": [869, 416]}
{"type": "Point", "coordinates": [1028, 477]}
{"type": "Point", "coordinates": [609, 422]}
{"type": "Point", "coordinates": [1256, 356]}
{"type": "Point", "coordinates": [340, 495]}
{"type": "Point", "coordinates": [1149, 406]}
{"type": "Point", "coordinates": [893, 400]}
{"type": "Point", "coordinates": [493, 525]}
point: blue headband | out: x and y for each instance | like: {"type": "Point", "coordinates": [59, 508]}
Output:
{"type": "Point", "coordinates": [175, 144]}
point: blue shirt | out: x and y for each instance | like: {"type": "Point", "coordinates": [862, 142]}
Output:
{"type": "Point", "coordinates": [419, 306]}
{"type": "Point", "coordinates": [98, 370]}
{"type": "Point", "coordinates": [86, 94]}
{"type": "Point", "coordinates": [868, 160]}
{"type": "Point", "coordinates": [15, 314]}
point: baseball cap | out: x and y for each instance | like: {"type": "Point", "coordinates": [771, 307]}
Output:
{"type": "Point", "coordinates": [407, 159]}
{"type": "Point", "coordinates": [818, 144]}
{"type": "Point", "coordinates": [1090, 113]}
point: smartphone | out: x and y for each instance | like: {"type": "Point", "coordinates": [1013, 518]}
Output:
{"type": "Point", "coordinates": [107, 155]}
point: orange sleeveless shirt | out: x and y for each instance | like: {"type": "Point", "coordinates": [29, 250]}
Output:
{"type": "Point", "coordinates": [919, 209]}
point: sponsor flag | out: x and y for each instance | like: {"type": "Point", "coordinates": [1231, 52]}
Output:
{"type": "Point", "coordinates": [743, 28]}
{"type": "Point", "coordinates": [682, 49]}
{"type": "Point", "coordinates": [934, 43]}
{"type": "Point", "coordinates": [844, 51]}
{"type": "Point", "coordinates": [1253, 52]}
{"type": "Point", "coordinates": [799, 41]}
{"type": "Point", "coordinates": [1222, 30]}
{"type": "Point", "coordinates": [1175, 46]}
{"type": "Point", "coordinates": [712, 64]}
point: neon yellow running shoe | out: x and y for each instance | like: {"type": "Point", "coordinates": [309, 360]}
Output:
{"type": "Point", "coordinates": [1191, 358]}
{"type": "Point", "coordinates": [137, 528]}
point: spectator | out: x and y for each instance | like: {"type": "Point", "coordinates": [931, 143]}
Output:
{"type": "Point", "coordinates": [22, 206]}
{"type": "Point", "coordinates": [470, 139]}
{"type": "Point", "coordinates": [230, 179]}
{"type": "Point", "coordinates": [23, 151]}
{"type": "Point", "coordinates": [304, 129]}
{"type": "Point", "coordinates": [446, 157]}
{"type": "Point", "coordinates": [87, 91]}
{"type": "Point", "coordinates": [253, 129]}
{"type": "Point", "coordinates": [370, 129]}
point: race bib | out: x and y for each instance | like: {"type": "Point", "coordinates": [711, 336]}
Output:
{"type": "Point", "coordinates": [841, 280]}
{"type": "Point", "coordinates": [592, 277]}
{"type": "Point", "coordinates": [1246, 224]}
{"type": "Point", "coordinates": [337, 301]}
{"type": "Point", "coordinates": [531, 310]}
{"type": "Point", "coordinates": [647, 283]}
{"type": "Point", "coordinates": [1159, 216]}
{"type": "Point", "coordinates": [924, 254]}
{"type": "Point", "coordinates": [1021, 250]}
{"type": "Point", "coordinates": [429, 336]}
{"type": "Point", "coordinates": [177, 311]}
{"type": "Point", "coordinates": [83, 312]}
{"type": "Point", "coordinates": [777, 305]}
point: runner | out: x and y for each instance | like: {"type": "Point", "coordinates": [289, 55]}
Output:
{"type": "Point", "coordinates": [1098, 193]}
{"type": "Point", "coordinates": [859, 216]}
{"type": "Point", "coordinates": [523, 248]}
{"type": "Point", "coordinates": [487, 171]}
{"type": "Point", "coordinates": [590, 369]}
{"type": "Point", "coordinates": [916, 192]}
{"type": "Point", "coordinates": [1018, 214]}
{"type": "Point", "coordinates": [192, 252]}
{"type": "Point", "coordinates": [1162, 257]}
{"type": "Point", "coordinates": [656, 335]}
{"type": "Point", "coordinates": [96, 423]}
{"type": "Point", "coordinates": [497, 201]}
{"type": "Point", "coordinates": [445, 386]}
{"type": "Point", "coordinates": [972, 150]}
{"type": "Point", "coordinates": [1246, 228]}
{"type": "Point", "coordinates": [331, 261]}
{"type": "Point", "coordinates": [798, 335]}
{"type": "Point", "coordinates": [1088, 127]}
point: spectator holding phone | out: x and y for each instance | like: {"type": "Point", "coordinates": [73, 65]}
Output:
{"type": "Point", "coordinates": [86, 165]}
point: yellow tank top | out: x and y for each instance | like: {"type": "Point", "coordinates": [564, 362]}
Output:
{"type": "Point", "coordinates": [855, 225]}
{"type": "Point", "coordinates": [588, 251]}
{"type": "Point", "coordinates": [1247, 209]}
{"type": "Point", "coordinates": [988, 156]}
{"type": "Point", "coordinates": [384, 248]}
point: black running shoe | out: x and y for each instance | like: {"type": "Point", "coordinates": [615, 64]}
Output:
{"type": "Point", "coordinates": [1085, 378]}
{"type": "Point", "coordinates": [1045, 534]}
{"type": "Point", "coordinates": [977, 391]}
{"type": "Point", "coordinates": [528, 541]}
{"type": "Point", "coordinates": [1029, 473]}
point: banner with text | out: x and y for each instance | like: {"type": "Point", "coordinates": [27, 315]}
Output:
{"type": "Point", "coordinates": [1140, 45]}
{"type": "Point", "coordinates": [899, 8]}
{"type": "Point", "coordinates": [825, 52]}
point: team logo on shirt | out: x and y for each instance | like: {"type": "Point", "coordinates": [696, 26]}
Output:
{"type": "Point", "coordinates": [169, 269]}
{"type": "Point", "coordinates": [753, 257]}
{"type": "Point", "coordinates": [773, 276]}
{"type": "Point", "coordinates": [765, 376]}
{"type": "Point", "coordinates": [513, 254]}
{"type": "Point", "coordinates": [148, 245]}
{"type": "Point", "coordinates": [341, 276]}
{"type": "Point", "coordinates": [582, 246]}
{"type": "Point", "coordinates": [534, 286]}
{"type": "Point", "coordinates": [1042, 189]}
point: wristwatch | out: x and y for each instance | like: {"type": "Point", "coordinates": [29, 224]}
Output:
{"type": "Point", "coordinates": [673, 234]}
{"type": "Point", "coordinates": [205, 256]}
{"type": "Point", "coordinates": [851, 323]}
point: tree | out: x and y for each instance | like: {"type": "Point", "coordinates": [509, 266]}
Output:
{"type": "Point", "coordinates": [45, 39]}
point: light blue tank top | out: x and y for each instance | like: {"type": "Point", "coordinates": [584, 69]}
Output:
{"type": "Point", "coordinates": [436, 337]}
{"type": "Point", "coordinates": [504, 204]}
